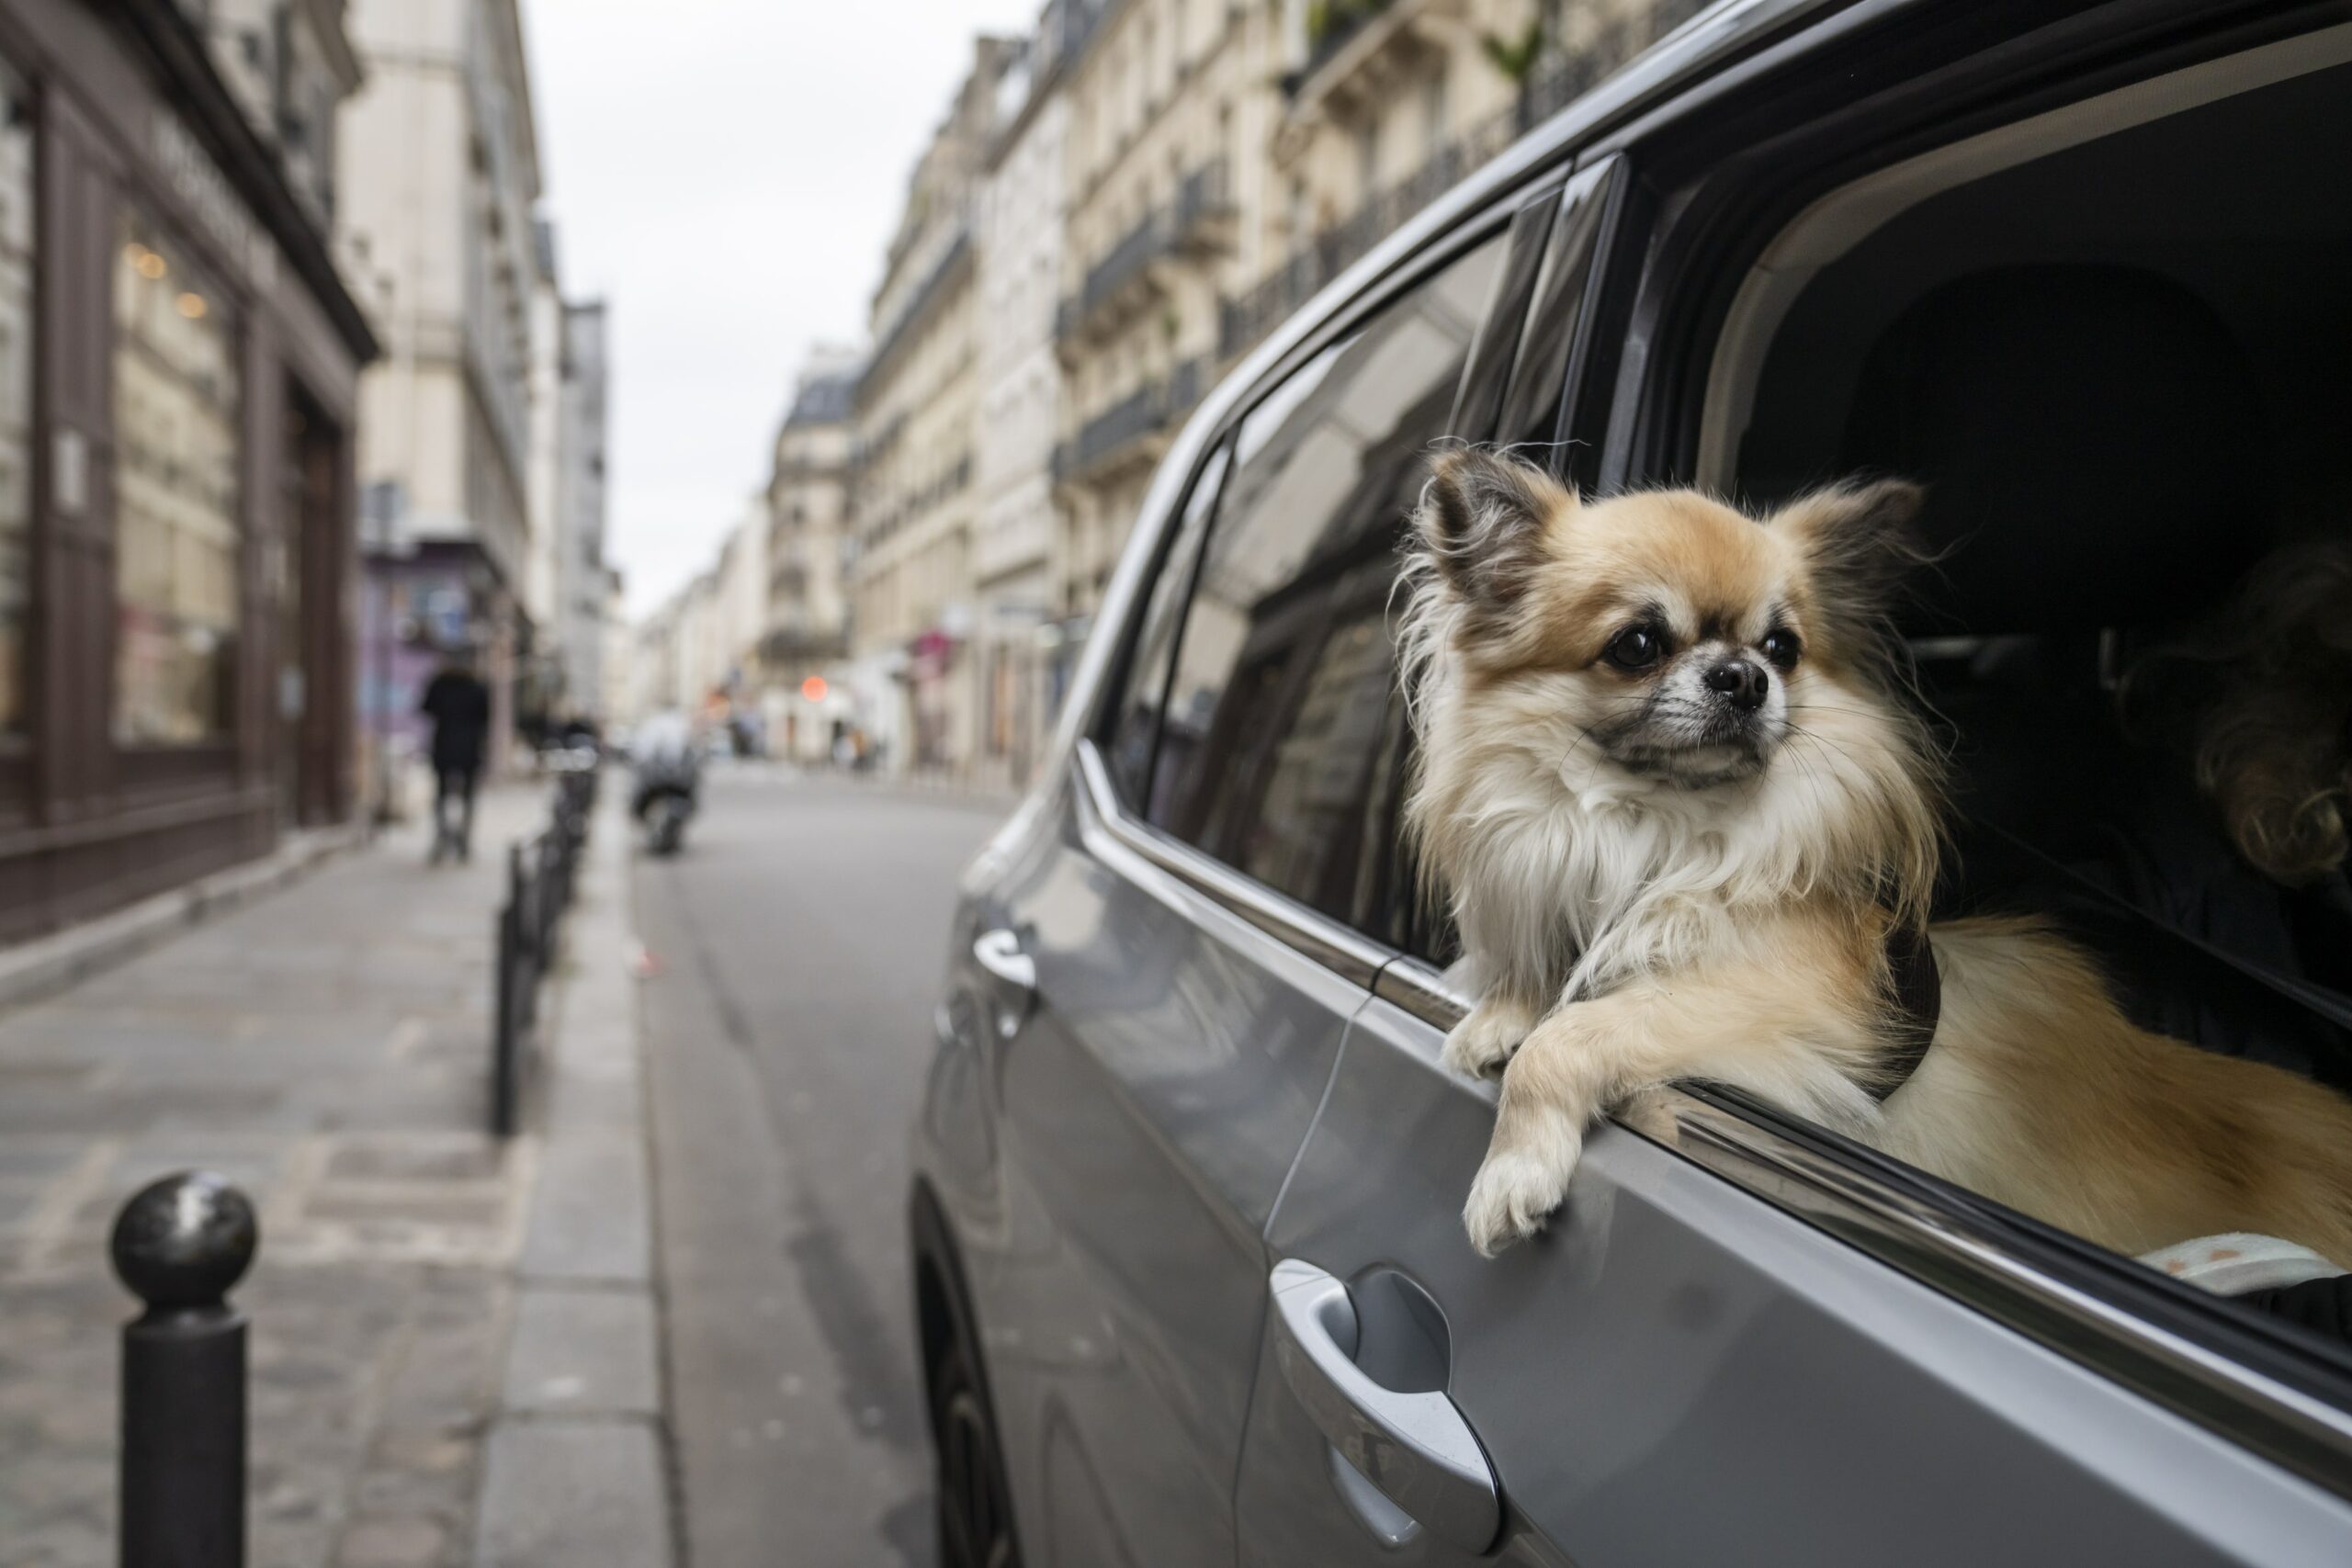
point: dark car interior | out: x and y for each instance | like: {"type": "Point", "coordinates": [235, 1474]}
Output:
{"type": "Point", "coordinates": [2120, 370]}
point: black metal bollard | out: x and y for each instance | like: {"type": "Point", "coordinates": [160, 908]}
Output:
{"type": "Point", "coordinates": [510, 998]}
{"type": "Point", "coordinates": [180, 1244]}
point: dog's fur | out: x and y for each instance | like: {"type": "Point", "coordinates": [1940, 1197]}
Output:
{"type": "Point", "coordinates": [1654, 882]}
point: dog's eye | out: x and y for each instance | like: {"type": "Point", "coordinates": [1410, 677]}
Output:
{"type": "Point", "coordinates": [1782, 648]}
{"type": "Point", "coordinates": [1635, 647]}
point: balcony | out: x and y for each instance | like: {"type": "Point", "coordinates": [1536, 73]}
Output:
{"type": "Point", "coordinates": [1243, 320]}
{"type": "Point", "coordinates": [1358, 29]}
{"type": "Point", "coordinates": [951, 269]}
{"type": "Point", "coordinates": [1190, 225]}
{"type": "Point", "coordinates": [1115, 437]}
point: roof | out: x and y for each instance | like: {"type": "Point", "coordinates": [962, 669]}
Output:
{"type": "Point", "coordinates": [823, 400]}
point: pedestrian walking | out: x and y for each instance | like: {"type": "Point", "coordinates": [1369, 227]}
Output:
{"type": "Point", "coordinates": [458, 705]}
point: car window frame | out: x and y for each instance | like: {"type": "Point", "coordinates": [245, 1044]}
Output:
{"type": "Point", "coordinates": [1335, 944]}
{"type": "Point", "coordinates": [1214, 467]}
{"type": "Point", "coordinates": [2281, 1396]}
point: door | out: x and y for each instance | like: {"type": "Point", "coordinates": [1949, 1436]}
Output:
{"type": "Point", "coordinates": [1192, 943]}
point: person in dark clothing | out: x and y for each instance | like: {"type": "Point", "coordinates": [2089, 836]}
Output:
{"type": "Point", "coordinates": [458, 705]}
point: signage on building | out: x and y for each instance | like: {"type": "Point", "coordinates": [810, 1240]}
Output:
{"type": "Point", "coordinates": [206, 192]}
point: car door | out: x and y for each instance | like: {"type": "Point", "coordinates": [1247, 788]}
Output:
{"type": "Point", "coordinates": [1187, 944]}
{"type": "Point", "coordinates": [1741, 1340]}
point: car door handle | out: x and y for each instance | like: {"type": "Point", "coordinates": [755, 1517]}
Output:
{"type": "Point", "coordinates": [1415, 1448]}
{"type": "Point", "coordinates": [999, 953]}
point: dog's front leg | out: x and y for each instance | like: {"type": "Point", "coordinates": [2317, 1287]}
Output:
{"type": "Point", "coordinates": [1489, 1035]}
{"type": "Point", "coordinates": [1786, 1035]}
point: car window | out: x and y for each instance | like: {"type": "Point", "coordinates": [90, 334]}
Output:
{"type": "Point", "coordinates": [1275, 749]}
{"type": "Point", "coordinates": [1531, 411]}
{"type": "Point", "coordinates": [2133, 639]}
{"type": "Point", "coordinates": [1134, 727]}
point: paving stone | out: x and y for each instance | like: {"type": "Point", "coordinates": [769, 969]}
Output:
{"type": "Point", "coordinates": [585, 1494]}
{"type": "Point", "coordinates": [578, 1349]}
{"type": "Point", "coordinates": [591, 1220]}
{"type": "Point", "coordinates": [392, 1543]}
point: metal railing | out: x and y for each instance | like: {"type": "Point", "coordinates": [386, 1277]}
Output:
{"type": "Point", "coordinates": [542, 873]}
{"type": "Point", "coordinates": [1149, 408]}
{"type": "Point", "coordinates": [918, 307]}
{"type": "Point", "coordinates": [1176, 225]}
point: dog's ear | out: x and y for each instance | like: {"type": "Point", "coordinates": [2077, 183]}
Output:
{"type": "Point", "coordinates": [1483, 519]}
{"type": "Point", "coordinates": [1859, 541]}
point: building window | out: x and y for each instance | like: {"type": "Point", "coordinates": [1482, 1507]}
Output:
{"type": "Point", "coordinates": [16, 393]}
{"type": "Point", "coordinates": [176, 398]}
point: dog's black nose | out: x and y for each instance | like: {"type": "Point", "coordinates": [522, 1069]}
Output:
{"type": "Point", "coordinates": [1741, 682]}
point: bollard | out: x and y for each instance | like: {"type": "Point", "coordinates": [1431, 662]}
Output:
{"type": "Point", "coordinates": [180, 1244]}
{"type": "Point", "coordinates": [510, 1001]}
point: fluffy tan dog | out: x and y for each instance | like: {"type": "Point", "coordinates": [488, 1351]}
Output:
{"type": "Point", "coordinates": [1682, 820]}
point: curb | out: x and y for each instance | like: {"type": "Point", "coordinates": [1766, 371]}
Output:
{"type": "Point", "coordinates": [577, 1466]}
{"type": "Point", "coordinates": [47, 964]}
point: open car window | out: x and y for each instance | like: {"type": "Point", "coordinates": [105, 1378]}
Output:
{"type": "Point", "coordinates": [2136, 637]}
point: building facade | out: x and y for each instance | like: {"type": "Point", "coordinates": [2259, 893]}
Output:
{"type": "Point", "coordinates": [1019, 279]}
{"type": "Point", "coordinates": [1172, 103]}
{"type": "Point", "coordinates": [179, 365]}
{"type": "Point", "coordinates": [616, 704]}
{"type": "Point", "coordinates": [918, 425]}
{"type": "Point", "coordinates": [439, 170]}
{"type": "Point", "coordinates": [807, 610]}
{"type": "Point", "coordinates": [582, 588]}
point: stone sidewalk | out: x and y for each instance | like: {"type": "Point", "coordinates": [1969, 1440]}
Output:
{"type": "Point", "coordinates": [326, 1048]}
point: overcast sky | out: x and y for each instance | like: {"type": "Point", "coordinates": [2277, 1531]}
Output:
{"type": "Point", "coordinates": [725, 173]}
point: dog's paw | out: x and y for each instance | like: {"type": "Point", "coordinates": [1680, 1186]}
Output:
{"type": "Point", "coordinates": [1516, 1190]}
{"type": "Point", "coordinates": [1482, 1044]}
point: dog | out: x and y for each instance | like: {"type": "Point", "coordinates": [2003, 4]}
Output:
{"type": "Point", "coordinates": [1686, 827]}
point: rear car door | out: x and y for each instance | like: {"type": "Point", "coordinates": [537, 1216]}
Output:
{"type": "Point", "coordinates": [1742, 1341]}
{"type": "Point", "coordinates": [1174, 968]}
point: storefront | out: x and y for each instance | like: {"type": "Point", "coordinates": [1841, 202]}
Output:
{"type": "Point", "coordinates": [178, 364]}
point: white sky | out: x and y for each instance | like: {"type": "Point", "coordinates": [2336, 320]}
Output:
{"type": "Point", "coordinates": [726, 173]}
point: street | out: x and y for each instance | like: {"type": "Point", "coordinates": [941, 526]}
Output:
{"type": "Point", "coordinates": [799, 940]}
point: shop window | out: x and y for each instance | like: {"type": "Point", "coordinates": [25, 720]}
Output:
{"type": "Point", "coordinates": [176, 398]}
{"type": "Point", "coordinates": [15, 393]}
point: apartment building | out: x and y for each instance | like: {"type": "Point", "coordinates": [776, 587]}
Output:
{"type": "Point", "coordinates": [439, 170]}
{"type": "Point", "coordinates": [807, 604]}
{"type": "Point", "coordinates": [1019, 279]}
{"type": "Point", "coordinates": [575, 637]}
{"type": "Point", "coordinates": [1170, 105]}
{"type": "Point", "coordinates": [1386, 105]}
{"type": "Point", "coordinates": [917, 415]}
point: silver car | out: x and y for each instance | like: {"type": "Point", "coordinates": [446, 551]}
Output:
{"type": "Point", "coordinates": [1192, 1280]}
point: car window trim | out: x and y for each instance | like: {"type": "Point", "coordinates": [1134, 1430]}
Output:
{"type": "Point", "coordinates": [1340, 948]}
{"type": "Point", "coordinates": [2054, 1289]}
{"type": "Point", "coordinates": [1225, 454]}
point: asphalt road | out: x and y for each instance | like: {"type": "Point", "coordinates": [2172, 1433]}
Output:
{"type": "Point", "coordinates": [801, 936]}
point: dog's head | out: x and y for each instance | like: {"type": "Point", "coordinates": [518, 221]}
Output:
{"type": "Point", "coordinates": [1663, 646]}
